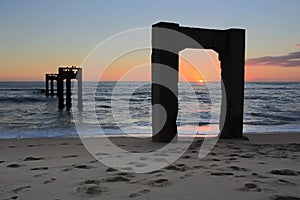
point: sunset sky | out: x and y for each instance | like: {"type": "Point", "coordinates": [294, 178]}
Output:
{"type": "Point", "coordinates": [38, 35]}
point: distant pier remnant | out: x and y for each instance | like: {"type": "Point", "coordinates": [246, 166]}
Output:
{"type": "Point", "coordinates": [65, 73]}
{"type": "Point", "coordinates": [51, 78]}
{"type": "Point", "coordinates": [166, 45]}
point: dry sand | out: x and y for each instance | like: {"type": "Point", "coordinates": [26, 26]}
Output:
{"type": "Point", "coordinates": [266, 167]}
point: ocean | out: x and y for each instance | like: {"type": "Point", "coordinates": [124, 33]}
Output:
{"type": "Point", "coordinates": [125, 108]}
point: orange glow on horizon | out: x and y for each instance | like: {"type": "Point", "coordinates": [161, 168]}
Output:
{"type": "Point", "coordinates": [272, 73]}
{"type": "Point", "coordinates": [204, 62]}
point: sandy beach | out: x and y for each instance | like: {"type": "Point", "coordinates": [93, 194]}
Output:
{"type": "Point", "coordinates": [265, 167]}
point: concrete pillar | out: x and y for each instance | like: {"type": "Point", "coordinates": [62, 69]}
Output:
{"type": "Point", "coordinates": [161, 95]}
{"type": "Point", "coordinates": [51, 86]}
{"type": "Point", "coordinates": [79, 89]}
{"type": "Point", "coordinates": [47, 85]}
{"type": "Point", "coordinates": [229, 44]}
{"type": "Point", "coordinates": [68, 94]}
{"type": "Point", "coordinates": [232, 65]}
{"type": "Point", "coordinates": [60, 89]}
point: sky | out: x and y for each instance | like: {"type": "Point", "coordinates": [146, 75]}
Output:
{"type": "Point", "coordinates": [38, 35]}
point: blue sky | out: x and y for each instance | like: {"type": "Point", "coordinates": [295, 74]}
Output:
{"type": "Point", "coordinates": [40, 31]}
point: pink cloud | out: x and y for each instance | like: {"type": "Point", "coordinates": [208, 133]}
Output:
{"type": "Point", "coordinates": [289, 60]}
{"type": "Point", "coordinates": [297, 45]}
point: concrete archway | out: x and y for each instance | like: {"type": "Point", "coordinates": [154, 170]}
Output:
{"type": "Point", "coordinates": [230, 46]}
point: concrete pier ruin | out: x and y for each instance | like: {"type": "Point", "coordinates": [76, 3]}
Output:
{"type": "Point", "coordinates": [65, 73]}
{"type": "Point", "coordinates": [166, 45]}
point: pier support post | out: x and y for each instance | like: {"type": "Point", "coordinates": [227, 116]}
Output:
{"type": "Point", "coordinates": [79, 89]}
{"type": "Point", "coordinates": [60, 89]}
{"type": "Point", "coordinates": [47, 85]}
{"type": "Point", "coordinates": [164, 87]}
{"type": "Point", "coordinates": [232, 73]}
{"type": "Point", "coordinates": [51, 86]}
{"type": "Point", "coordinates": [68, 94]}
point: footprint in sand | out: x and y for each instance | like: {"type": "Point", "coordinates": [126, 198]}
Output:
{"type": "Point", "coordinates": [50, 180]}
{"type": "Point", "coordinates": [82, 166]}
{"type": "Point", "coordinates": [261, 163]}
{"type": "Point", "coordinates": [285, 182]}
{"type": "Point", "coordinates": [93, 190]}
{"type": "Point", "coordinates": [117, 179]}
{"type": "Point", "coordinates": [64, 143]}
{"type": "Point", "coordinates": [250, 187]}
{"type": "Point", "coordinates": [21, 189]}
{"type": "Point", "coordinates": [125, 174]}
{"type": "Point", "coordinates": [234, 155]}
{"type": "Point", "coordinates": [39, 175]}
{"type": "Point", "coordinates": [186, 175]}
{"type": "Point", "coordinates": [260, 176]}
{"type": "Point", "coordinates": [236, 168]}
{"type": "Point", "coordinates": [31, 158]}
{"type": "Point", "coordinates": [284, 197]}
{"type": "Point", "coordinates": [39, 168]}
{"type": "Point", "coordinates": [92, 181]}
{"type": "Point", "coordinates": [140, 193]}
{"type": "Point", "coordinates": [67, 169]}
{"type": "Point", "coordinates": [91, 187]}
{"type": "Point", "coordinates": [177, 167]}
{"type": "Point", "coordinates": [186, 157]}
{"type": "Point", "coordinates": [155, 172]}
{"type": "Point", "coordinates": [286, 172]}
{"type": "Point", "coordinates": [14, 165]}
{"type": "Point", "coordinates": [159, 182]}
{"type": "Point", "coordinates": [198, 166]}
{"type": "Point", "coordinates": [70, 156]}
{"type": "Point", "coordinates": [111, 169]}
{"type": "Point", "coordinates": [247, 155]}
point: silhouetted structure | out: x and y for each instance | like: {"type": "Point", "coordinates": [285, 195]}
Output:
{"type": "Point", "coordinates": [166, 45]}
{"type": "Point", "coordinates": [51, 78]}
{"type": "Point", "coordinates": [65, 73]}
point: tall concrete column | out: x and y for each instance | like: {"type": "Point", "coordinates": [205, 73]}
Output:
{"type": "Point", "coordinates": [79, 89]}
{"type": "Point", "coordinates": [47, 85]}
{"type": "Point", "coordinates": [232, 66]}
{"type": "Point", "coordinates": [164, 62]}
{"type": "Point", "coordinates": [60, 89]}
{"type": "Point", "coordinates": [51, 86]}
{"type": "Point", "coordinates": [68, 94]}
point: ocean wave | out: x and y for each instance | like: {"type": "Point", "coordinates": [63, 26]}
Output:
{"type": "Point", "coordinates": [21, 99]}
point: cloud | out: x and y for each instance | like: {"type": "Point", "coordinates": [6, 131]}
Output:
{"type": "Point", "coordinates": [297, 45]}
{"type": "Point", "coordinates": [290, 60]}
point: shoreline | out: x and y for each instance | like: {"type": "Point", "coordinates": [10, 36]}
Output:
{"type": "Point", "coordinates": [295, 134]}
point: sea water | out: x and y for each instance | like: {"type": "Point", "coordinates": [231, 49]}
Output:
{"type": "Point", "coordinates": [125, 108]}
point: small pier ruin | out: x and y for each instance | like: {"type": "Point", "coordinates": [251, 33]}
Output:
{"type": "Point", "coordinates": [51, 78]}
{"type": "Point", "coordinates": [65, 73]}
